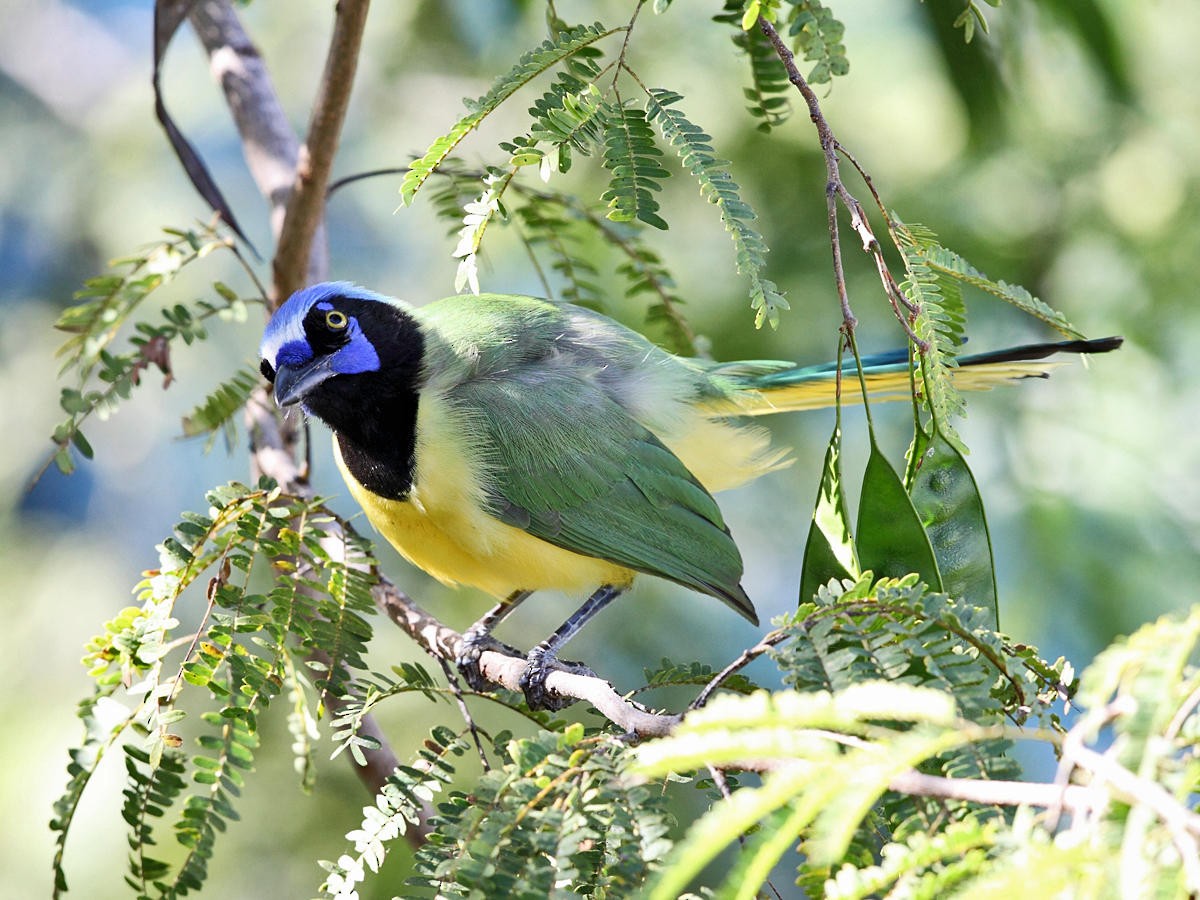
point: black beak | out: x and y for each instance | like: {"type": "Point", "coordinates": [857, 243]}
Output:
{"type": "Point", "coordinates": [293, 383]}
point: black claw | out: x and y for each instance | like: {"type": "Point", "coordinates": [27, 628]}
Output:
{"type": "Point", "coordinates": [533, 680]}
{"type": "Point", "coordinates": [470, 649]}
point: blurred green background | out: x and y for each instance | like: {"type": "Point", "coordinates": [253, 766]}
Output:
{"type": "Point", "coordinates": [1061, 152]}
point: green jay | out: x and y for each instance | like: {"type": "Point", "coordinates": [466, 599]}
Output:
{"type": "Point", "coordinates": [516, 444]}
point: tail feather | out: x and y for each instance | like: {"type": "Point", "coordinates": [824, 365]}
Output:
{"type": "Point", "coordinates": [765, 387]}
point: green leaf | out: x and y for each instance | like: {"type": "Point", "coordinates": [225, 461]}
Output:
{"type": "Point", "coordinates": [216, 414]}
{"type": "Point", "coordinates": [950, 264]}
{"type": "Point", "coordinates": [63, 461]}
{"type": "Point", "coordinates": [891, 540]}
{"type": "Point", "coordinates": [529, 66]}
{"type": "Point", "coordinates": [829, 551]}
{"type": "Point", "coordinates": [940, 322]}
{"type": "Point", "coordinates": [695, 151]}
{"type": "Point", "coordinates": [946, 498]}
{"type": "Point", "coordinates": [633, 159]}
{"type": "Point", "coordinates": [819, 37]}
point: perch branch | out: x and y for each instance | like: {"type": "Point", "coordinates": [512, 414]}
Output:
{"type": "Point", "coordinates": [442, 642]}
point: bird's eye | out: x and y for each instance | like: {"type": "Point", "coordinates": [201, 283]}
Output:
{"type": "Point", "coordinates": [335, 320]}
{"type": "Point", "coordinates": [268, 371]}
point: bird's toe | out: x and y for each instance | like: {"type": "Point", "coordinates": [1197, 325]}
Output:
{"type": "Point", "coordinates": [470, 649]}
{"type": "Point", "coordinates": [541, 662]}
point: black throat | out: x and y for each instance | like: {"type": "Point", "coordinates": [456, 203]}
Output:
{"type": "Point", "coordinates": [384, 464]}
{"type": "Point", "coordinates": [374, 414]}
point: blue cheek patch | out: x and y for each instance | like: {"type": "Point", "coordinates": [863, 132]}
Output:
{"type": "Point", "coordinates": [358, 355]}
{"type": "Point", "coordinates": [293, 353]}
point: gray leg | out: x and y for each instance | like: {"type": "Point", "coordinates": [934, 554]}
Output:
{"type": "Point", "coordinates": [478, 638]}
{"type": "Point", "coordinates": [543, 658]}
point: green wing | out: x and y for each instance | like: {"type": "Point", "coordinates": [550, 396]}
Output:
{"type": "Point", "coordinates": [567, 464]}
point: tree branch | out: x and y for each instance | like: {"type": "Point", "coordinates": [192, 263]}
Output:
{"type": "Point", "coordinates": [306, 202]}
{"type": "Point", "coordinates": [442, 642]}
{"type": "Point", "coordinates": [273, 155]}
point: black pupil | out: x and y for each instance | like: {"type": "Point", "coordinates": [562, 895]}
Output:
{"type": "Point", "coordinates": [268, 371]}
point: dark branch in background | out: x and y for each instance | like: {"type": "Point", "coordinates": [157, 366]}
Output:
{"type": "Point", "coordinates": [836, 190]}
{"type": "Point", "coordinates": [272, 153]}
{"type": "Point", "coordinates": [168, 16]}
{"type": "Point", "coordinates": [268, 142]}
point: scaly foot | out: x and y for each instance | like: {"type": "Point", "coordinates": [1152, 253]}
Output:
{"type": "Point", "coordinates": [542, 662]}
{"type": "Point", "coordinates": [474, 642]}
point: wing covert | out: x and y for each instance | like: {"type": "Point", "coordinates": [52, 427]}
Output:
{"type": "Point", "coordinates": [565, 462]}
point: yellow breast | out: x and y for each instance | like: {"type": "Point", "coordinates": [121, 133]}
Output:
{"type": "Point", "coordinates": [443, 529]}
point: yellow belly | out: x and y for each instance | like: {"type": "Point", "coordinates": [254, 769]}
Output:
{"type": "Point", "coordinates": [442, 529]}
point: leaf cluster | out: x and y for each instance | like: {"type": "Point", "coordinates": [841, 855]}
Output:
{"type": "Point", "coordinates": [303, 636]}
{"type": "Point", "coordinates": [557, 818]}
{"type": "Point", "coordinates": [583, 114]}
{"type": "Point", "coordinates": [103, 378]}
{"type": "Point", "coordinates": [833, 756]}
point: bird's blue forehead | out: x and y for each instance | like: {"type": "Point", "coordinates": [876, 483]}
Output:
{"type": "Point", "coordinates": [285, 332]}
{"type": "Point", "coordinates": [286, 343]}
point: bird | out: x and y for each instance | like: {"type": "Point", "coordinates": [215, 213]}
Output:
{"type": "Point", "coordinates": [516, 444]}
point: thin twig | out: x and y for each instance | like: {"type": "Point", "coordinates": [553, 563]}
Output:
{"type": "Point", "coordinates": [271, 149]}
{"type": "Point", "coordinates": [740, 662]}
{"type": "Point", "coordinates": [836, 189]}
{"type": "Point", "coordinates": [268, 141]}
{"type": "Point", "coordinates": [456, 691]}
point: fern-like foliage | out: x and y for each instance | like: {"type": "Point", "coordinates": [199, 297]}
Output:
{"type": "Point", "coordinates": [103, 378]}
{"type": "Point", "coordinates": [948, 266]}
{"type": "Point", "coordinates": [215, 416]}
{"type": "Point", "coordinates": [898, 631]}
{"type": "Point", "coordinates": [531, 64]}
{"type": "Point", "coordinates": [556, 819]}
{"type": "Point", "coordinates": [939, 322]}
{"type": "Point", "coordinates": [317, 604]}
{"type": "Point", "coordinates": [818, 35]}
{"type": "Point", "coordinates": [633, 159]}
{"type": "Point", "coordinates": [152, 787]}
{"type": "Point", "coordinates": [693, 674]}
{"type": "Point", "coordinates": [834, 754]}
{"type": "Point", "coordinates": [399, 803]}
{"type": "Point", "coordinates": [971, 16]}
{"type": "Point", "coordinates": [373, 690]}
{"type": "Point", "coordinates": [557, 226]}
{"type": "Point", "coordinates": [569, 229]}
{"type": "Point", "coordinates": [837, 754]}
{"type": "Point", "coordinates": [478, 215]}
{"type": "Point", "coordinates": [717, 186]}
{"type": "Point", "coordinates": [571, 117]}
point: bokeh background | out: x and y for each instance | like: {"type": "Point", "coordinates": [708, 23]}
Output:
{"type": "Point", "coordinates": [1061, 152]}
